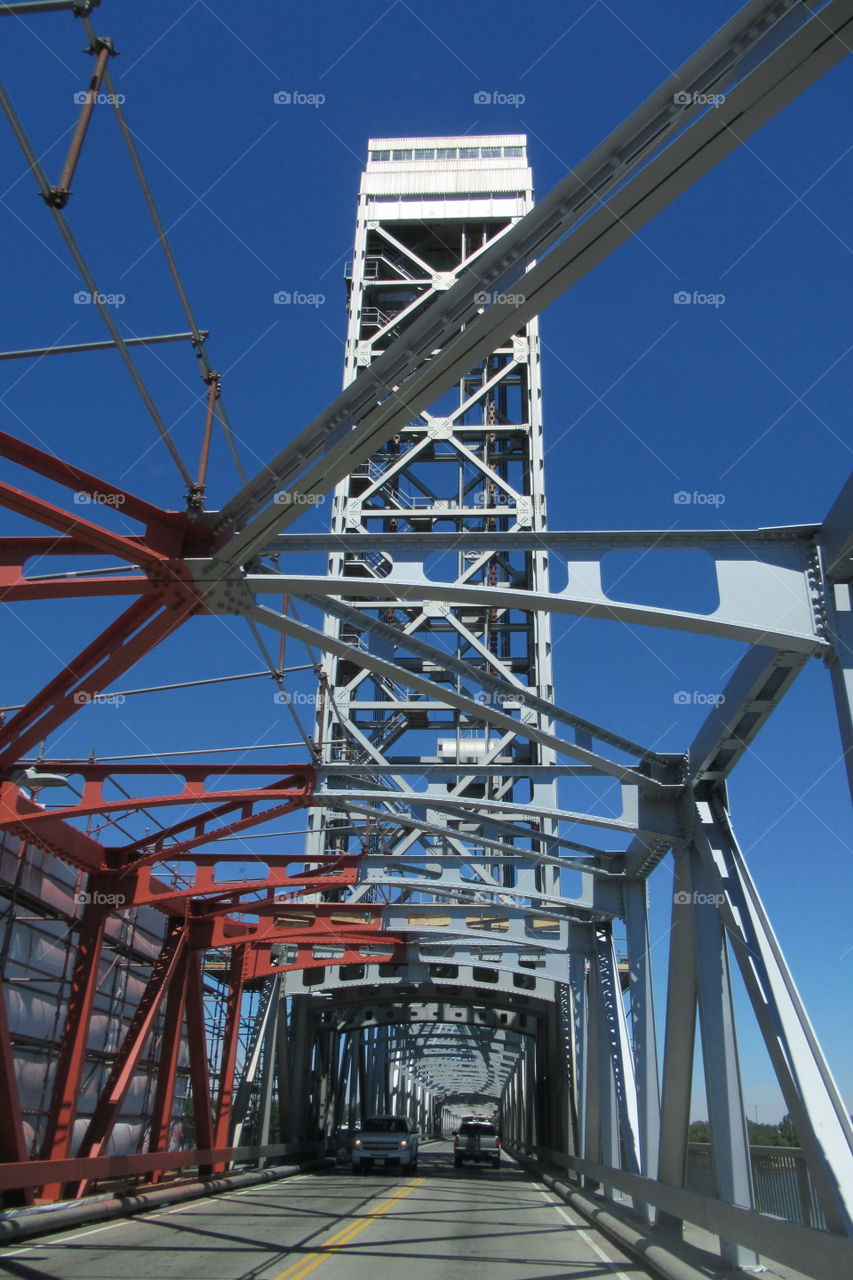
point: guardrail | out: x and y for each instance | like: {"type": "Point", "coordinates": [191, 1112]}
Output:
{"type": "Point", "coordinates": [780, 1179]}
{"type": "Point", "coordinates": [22, 1175]}
{"type": "Point", "coordinates": [821, 1255]}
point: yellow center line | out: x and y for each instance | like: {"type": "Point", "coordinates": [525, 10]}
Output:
{"type": "Point", "coordinates": [342, 1237]}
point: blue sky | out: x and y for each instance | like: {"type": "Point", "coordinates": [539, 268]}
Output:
{"type": "Point", "coordinates": [643, 398]}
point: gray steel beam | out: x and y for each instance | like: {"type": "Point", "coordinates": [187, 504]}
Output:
{"type": "Point", "coordinates": [765, 603]}
{"type": "Point", "coordinates": [840, 611]}
{"type": "Point", "coordinates": [408, 546]}
{"type": "Point", "coordinates": [643, 1024]}
{"type": "Point", "coordinates": [679, 1039]}
{"type": "Point", "coordinates": [811, 1095]}
{"type": "Point", "coordinates": [480, 711]}
{"type": "Point", "coordinates": [753, 692]}
{"type": "Point", "coordinates": [500, 688]}
{"type": "Point", "coordinates": [327, 449]}
{"type": "Point", "coordinates": [723, 1090]}
{"type": "Point", "coordinates": [836, 537]}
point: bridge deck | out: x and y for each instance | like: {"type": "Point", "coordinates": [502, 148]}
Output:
{"type": "Point", "coordinates": [440, 1224]}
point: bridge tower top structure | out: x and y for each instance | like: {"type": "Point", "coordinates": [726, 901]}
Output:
{"type": "Point", "coordinates": [428, 207]}
{"type": "Point", "coordinates": [471, 463]}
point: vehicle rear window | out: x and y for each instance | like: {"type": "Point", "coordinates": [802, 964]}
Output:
{"type": "Point", "coordinates": [488, 1130]}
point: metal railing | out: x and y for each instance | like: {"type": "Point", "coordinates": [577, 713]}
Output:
{"type": "Point", "coordinates": [820, 1254]}
{"type": "Point", "coordinates": [780, 1179]}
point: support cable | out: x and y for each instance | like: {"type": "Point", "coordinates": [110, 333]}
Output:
{"type": "Point", "coordinates": [46, 192]}
{"type": "Point", "coordinates": [181, 684]}
{"type": "Point", "coordinates": [277, 676]}
{"type": "Point", "coordinates": [198, 335]}
{"type": "Point", "coordinates": [72, 348]}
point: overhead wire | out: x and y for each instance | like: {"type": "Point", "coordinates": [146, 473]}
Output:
{"type": "Point", "coordinates": [198, 336]}
{"type": "Point", "coordinates": [83, 268]}
{"type": "Point", "coordinates": [182, 684]}
{"type": "Point", "coordinates": [277, 676]}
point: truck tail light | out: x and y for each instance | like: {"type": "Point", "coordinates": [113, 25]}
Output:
{"type": "Point", "coordinates": [456, 1141]}
{"type": "Point", "coordinates": [497, 1144]}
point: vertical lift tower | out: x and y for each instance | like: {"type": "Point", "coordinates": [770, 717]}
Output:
{"type": "Point", "coordinates": [470, 464]}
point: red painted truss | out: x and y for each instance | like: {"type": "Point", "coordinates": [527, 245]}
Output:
{"type": "Point", "coordinates": [264, 923]}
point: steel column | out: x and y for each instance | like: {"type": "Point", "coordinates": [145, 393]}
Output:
{"type": "Point", "coordinates": [726, 1116]}
{"type": "Point", "coordinates": [270, 1040]}
{"type": "Point", "coordinates": [643, 1024]}
{"type": "Point", "coordinates": [72, 1050]}
{"type": "Point", "coordinates": [12, 1144]}
{"type": "Point", "coordinates": [811, 1094]}
{"type": "Point", "coordinates": [124, 1064]}
{"type": "Point", "coordinates": [680, 1038]}
{"type": "Point", "coordinates": [198, 1058]}
{"type": "Point", "coordinates": [230, 1039]}
{"type": "Point", "coordinates": [170, 1052]}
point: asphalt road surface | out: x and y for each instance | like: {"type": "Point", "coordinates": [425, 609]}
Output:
{"type": "Point", "coordinates": [473, 1223]}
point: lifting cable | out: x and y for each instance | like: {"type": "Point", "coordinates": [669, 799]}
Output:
{"type": "Point", "coordinates": [47, 193]}
{"type": "Point", "coordinates": [198, 336]}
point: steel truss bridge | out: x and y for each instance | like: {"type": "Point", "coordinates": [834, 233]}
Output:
{"type": "Point", "coordinates": [441, 938]}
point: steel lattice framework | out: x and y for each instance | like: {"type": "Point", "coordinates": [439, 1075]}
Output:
{"type": "Point", "coordinates": [423, 946]}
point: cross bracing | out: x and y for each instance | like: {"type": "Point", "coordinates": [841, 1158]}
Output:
{"type": "Point", "coordinates": [435, 445]}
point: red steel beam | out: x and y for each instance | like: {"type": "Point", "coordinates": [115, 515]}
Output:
{"type": "Point", "coordinates": [183, 848]}
{"type": "Point", "coordinates": [137, 1035]}
{"type": "Point", "coordinates": [260, 963]}
{"type": "Point", "coordinates": [72, 1051]}
{"type": "Point", "coordinates": [80, 481]}
{"type": "Point", "coordinates": [225, 1096]}
{"type": "Point", "coordinates": [99, 540]}
{"type": "Point", "coordinates": [149, 891]}
{"type": "Point", "coordinates": [173, 595]}
{"type": "Point", "coordinates": [138, 630]}
{"type": "Point", "coordinates": [295, 785]}
{"type": "Point", "coordinates": [59, 838]}
{"type": "Point", "coordinates": [124, 1064]}
{"type": "Point", "coordinates": [12, 1144]}
{"type": "Point", "coordinates": [197, 1049]}
{"type": "Point", "coordinates": [15, 553]}
{"type": "Point", "coordinates": [59, 588]}
{"type": "Point", "coordinates": [32, 1173]}
{"type": "Point", "coordinates": [167, 1066]}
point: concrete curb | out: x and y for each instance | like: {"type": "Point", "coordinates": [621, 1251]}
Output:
{"type": "Point", "coordinates": [645, 1250]}
{"type": "Point", "coordinates": [42, 1221]}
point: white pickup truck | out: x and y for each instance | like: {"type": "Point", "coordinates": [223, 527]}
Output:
{"type": "Point", "coordinates": [476, 1140]}
{"type": "Point", "coordinates": [392, 1139]}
